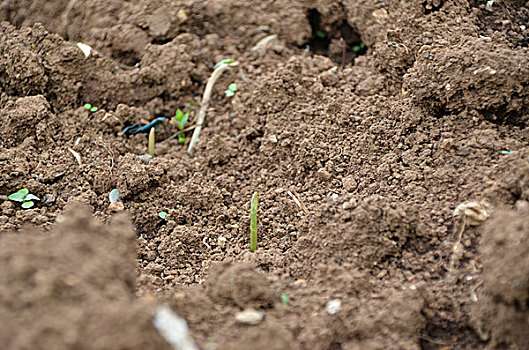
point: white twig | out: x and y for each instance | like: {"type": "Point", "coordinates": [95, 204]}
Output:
{"type": "Point", "coordinates": [298, 202]}
{"type": "Point", "coordinates": [205, 104]}
{"type": "Point", "coordinates": [76, 155]}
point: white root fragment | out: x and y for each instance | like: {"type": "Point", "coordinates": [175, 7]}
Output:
{"type": "Point", "coordinates": [265, 43]}
{"type": "Point", "coordinates": [471, 214]}
{"type": "Point", "coordinates": [205, 104]}
{"type": "Point", "coordinates": [298, 202]}
{"type": "Point", "coordinates": [76, 155]}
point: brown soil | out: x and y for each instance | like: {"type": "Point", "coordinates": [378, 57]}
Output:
{"type": "Point", "coordinates": [379, 153]}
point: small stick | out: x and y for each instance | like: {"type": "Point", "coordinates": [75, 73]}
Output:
{"type": "Point", "coordinates": [298, 202]}
{"type": "Point", "coordinates": [342, 44]}
{"type": "Point", "coordinates": [76, 155]}
{"type": "Point", "coordinates": [205, 104]}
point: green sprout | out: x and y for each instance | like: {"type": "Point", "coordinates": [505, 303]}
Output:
{"type": "Point", "coordinates": [180, 120]}
{"type": "Point", "coordinates": [253, 223]}
{"type": "Point", "coordinates": [225, 61]}
{"type": "Point", "coordinates": [231, 90]}
{"type": "Point", "coordinates": [359, 47]}
{"type": "Point", "coordinates": [284, 299]}
{"type": "Point", "coordinates": [152, 139]}
{"type": "Point", "coordinates": [90, 108]}
{"type": "Point", "coordinates": [25, 197]}
{"type": "Point", "coordinates": [113, 196]}
{"type": "Point", "coordinates": [162, 215]}
{"type": "Point", "coordinates": [321, 34]}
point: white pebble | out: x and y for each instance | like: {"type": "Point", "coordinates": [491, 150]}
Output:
{"type": "Point", "coordinates": [333, 306]}
{"type": "Point", "coordinates": [250, 316]}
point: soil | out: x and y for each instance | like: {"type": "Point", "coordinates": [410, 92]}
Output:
{"type": "Point", "coordinates": [359, 164]}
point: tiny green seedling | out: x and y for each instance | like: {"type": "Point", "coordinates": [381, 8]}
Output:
{"type": "Point", "coordinates": [90, 108]}
{"type": "Point", "coordinates": [113, 196]}
{"type": "Point", "coordinates": [284, 299]}
{"type": "Point", "coordinates": [358, 48]}
{"type": "Point", "coordinates": [231, 90]}
{"type": "Point", "coordinates": [25, 197]}
{"type": "Point", "coordinates": [152, 140]}
{"type": "Point", "coordinates": [225, 61]}
{"type": "Point", "coordinates": [507, 152]}
{"type": "Point", "coordinates": [321, 34]}
{"type": "Point", "coordinates": [162, 215]}
{"type": "Point", "coordinates": [180, 119]}
{"type": "Point", "coordinates": [253, 223]}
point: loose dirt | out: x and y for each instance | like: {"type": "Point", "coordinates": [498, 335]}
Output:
{"type": "Point", "coordinates": [359, 164]}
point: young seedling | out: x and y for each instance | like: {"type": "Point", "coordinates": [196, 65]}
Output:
{"type": "Point", "coordinates": [90, 108]}
{"type": "Point", "coordinates": [116, 205]}
{"type": "Point", "coordinates": [225, 61]}
{"type": "Point", "coordinates": [253, 223]}
{"type": "Point", "coordinates": [113, 196]}
{"type": "Point", "coordinates": [162, 215]}
{"type": "Point", "coordinates": [321, 34]}
{"type": "Point", "coordinates": [284, 299]}
{"type": "Point", "coordinates": [342, 45]}
{"type": "Point", "coordinates": [150, 148]}
{"type": "Point", "coordinates": [358, 48]}
{"type": "Point", "coordinates": [180, 120]}
{"type": "Point", "coordinates": [24, 197]}
{"type": "Point", "coordinates": [219, 68]}
{"type": "Point", "coordinates": [231, 90]}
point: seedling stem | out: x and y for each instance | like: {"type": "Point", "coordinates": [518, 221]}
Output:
{"type": "Point", "coordinates": [150, 149]}
{"type": "Point", "coordinates": [253, 223]}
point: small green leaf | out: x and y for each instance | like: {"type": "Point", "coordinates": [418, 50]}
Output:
{"type": "Point", "coordinates": [232, 87]}
{"type": "Point", "coordinates": [179, 115]}
{"type": "Point", "coordinates": [359, 47]}
{"type": "Point", "coordinates": [229, 93]}
{"type": "Point", "coordinates": [113, 196]}
{"type": "Point", "coordinates": [163, 215]}
{"type": "Point", "coordinates": [284, 299]}
{"type": "Point", "coordinates": [31, 197]}
{"type": "Point", "coordinates": [17, 197]}
{"type": "Point", "coordinates": [225, 61]}
{"type": "Point", "coordinates": [181, 139]}
{"type": "Point", "coordinates": [507, 152]}
{"type": "Point", "coordinates": [23, 191]}
{"type": "Point", "coordinates": [321, 34]}
{"type": "Point", "coordinates": [184, 120]}
{"type": "Point", "coordinates": [87, 106]}
{"type": "Point", "coordinates": [27, 205]}
{"type": "Point", "coordinates": [94, 109]}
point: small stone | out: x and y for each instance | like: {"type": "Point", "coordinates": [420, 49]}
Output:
{"type": "Point", "coordinates": [272, 138]}
{"type": "Point", "coordinates": [380, 13]}
{"type": "Point", "coordinates": [48, 199]}
{"type": "Point", "coordinates": [221, 241]}
{"type": "Point", "coordinates": [300, 283]}
{"type": "Point", "coordinates": [116, 206]}
{"type": "Point", "coordinates": [333, 306]}
{"type": "Point", "coordinates": [324, 174]}
{"type": "Point", "coordinates": [250, 316]}
{"type": "Point", "coordinates": [146, 158]}
{"type": "Point", "coordinates": [349, 183]}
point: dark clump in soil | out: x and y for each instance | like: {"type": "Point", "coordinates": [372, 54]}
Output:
{"type": "Point", "coordinates": [73, 287]}
{"type": "Point", "coordinates": [359, 169]}
{"type": "Point", "coordinates": [502, 310]}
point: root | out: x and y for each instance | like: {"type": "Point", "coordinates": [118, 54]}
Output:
{"type": "Point", "coordinates": [205, 104]}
